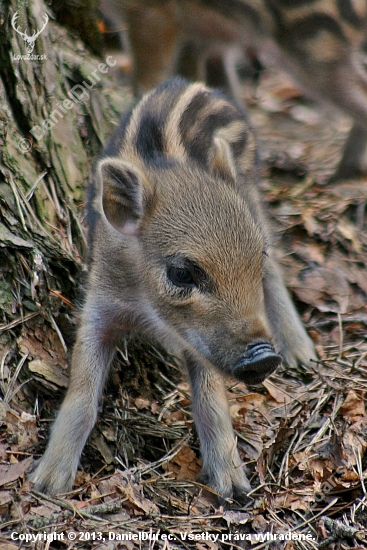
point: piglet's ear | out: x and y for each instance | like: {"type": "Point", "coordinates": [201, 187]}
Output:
{"type": "Point", "coordinates": [122, 195]}
{"type": "Point", "coordinates": [221, 160]}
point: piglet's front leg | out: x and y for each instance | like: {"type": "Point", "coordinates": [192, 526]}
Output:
{"type": "Point", "coordinates": [223, 469]}
{"type": "Point", "coordinates": [91, 358]}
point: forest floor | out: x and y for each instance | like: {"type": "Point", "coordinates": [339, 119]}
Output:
{"type": "Point", "coordinates": [302, 433]}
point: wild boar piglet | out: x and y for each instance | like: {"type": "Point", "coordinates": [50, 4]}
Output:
{"type": "Point", "coordinates": [180, 253]}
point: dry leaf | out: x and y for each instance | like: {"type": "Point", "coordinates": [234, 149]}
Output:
{"type": "Point", "coordinates": [135, 497]}
{"type": "Point", "coordinates": [207, 544]}
{"type": "Point", "coordinates": [292, 501]}
{"type": "Point", "coordinates": [353, 406]}
{"type": "Point", "coordinates": [78, 504]}
{"type": "Point", "coordinates": [6, 498]}
{"type": "Point", "coordinates": [325, 288]}
{"type": "Point", "coordinates": [98, 441]}
{"type": "Point", "coordinates": [45, 509]}
{"type": "Point", "coordinates": [310, 252]}
{"type": "Point", "coordinates": [3, 453]}
{"type": "Point", "coordinates": [155, 408]}
{"type": "Point", "coordinates": [312, 226]}
{"type": "Point", "coordinates": [185, 464]}
{"type": "Point", "coordinates": [349, 476]}
{"type": "Point", "coordinates": [21, 428]}
{"type": "Point", "coordinates": [260, 524]}
{"type": "Point", "coordinates": [316, 468]}
{"type": "Point", "coordinates": [348, 231]}
{"type": "Point", "coordinates": [277, 393]}
{"type": "Point", "coordinates": [234, 517]}
{"type": "Point", "coordinates": [142, 403]}
{"type": "Point", "coordinates": [11, 472]}
{"type": "Point", "coordinates": [353, 445]}
{"type": "Point", "coordinates": [111, 486]}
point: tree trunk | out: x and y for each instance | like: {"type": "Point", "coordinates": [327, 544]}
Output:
{"type": "Point", "coordinates": [58, 105]}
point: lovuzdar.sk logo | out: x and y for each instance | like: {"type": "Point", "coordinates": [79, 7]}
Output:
{"type": "Point", "coordinates": [29, 40]}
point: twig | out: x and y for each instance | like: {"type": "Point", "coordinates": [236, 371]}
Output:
{"type": "Point", "coordinates": [340, 531]}
{"type": "Point", "coordinates": [58, 294]}
{"type": "Point", "coordinates": [9, 392]}
{"type": "Point", "coordinates": [29, 195]}
{"type": "Point", "coordinates": [303, 524]}
{"type": "Point", "coordinates": [17, 199]}
{"type": "Point", "coordinates": [19, 321]}
{"type": "Point", "coordinates": [141, 470]}
{"type": "Point", "coordinates": [58, 332]}
{"type": "Point", "coordinates": [340, 323]}
{"type": "Point", "coordinates": [90, 513]}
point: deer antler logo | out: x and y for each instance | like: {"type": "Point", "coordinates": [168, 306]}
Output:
{"type": "Point", "coordinates": [29, 40]}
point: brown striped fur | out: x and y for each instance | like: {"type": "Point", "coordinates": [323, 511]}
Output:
{"type": "Point", "coordinates": [320, 42]}
{"type": "Point", "coordinates": [181, 254]}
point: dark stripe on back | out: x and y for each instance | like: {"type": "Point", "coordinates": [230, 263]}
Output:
{"type": "Point", "coordinates": [150, 138]}
{"type": "Point", "coordinates": [308, 27]}
{"type": "Point", "coordinates": [191, 113]}
{"type": "Point", "coordinates": [234, 9]}
{"type": "Point", "coordinates": [347, 13]}
{"type": "Point", "coordinates": [149, 142]}
{"type": "Point", "coordinates": [199, 146]}
{"type": "Point", "coordinates": [294, 3]}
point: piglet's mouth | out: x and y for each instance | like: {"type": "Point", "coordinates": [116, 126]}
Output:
{"type": "Point", "coordinates": [259, 361]}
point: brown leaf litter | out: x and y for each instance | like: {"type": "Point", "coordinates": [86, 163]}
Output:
{"type": "Point", "coordinates": [302, 434]}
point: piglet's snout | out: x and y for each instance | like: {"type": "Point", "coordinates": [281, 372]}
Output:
{"type": "Point", "coordinates": [258, 362]}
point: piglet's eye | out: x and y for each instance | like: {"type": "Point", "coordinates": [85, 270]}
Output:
{"type": "Point", "coordinates": [181, 277]}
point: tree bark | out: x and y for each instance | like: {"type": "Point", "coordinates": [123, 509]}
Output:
{"type": "Point", "coordinates": [58, 105]}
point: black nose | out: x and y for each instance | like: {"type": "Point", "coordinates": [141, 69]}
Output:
{"type": "Point", "coordinates": [259, 360]}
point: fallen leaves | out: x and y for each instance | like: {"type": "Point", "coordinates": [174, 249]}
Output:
{"type": "Point", "coordinates": [20, 428]}
{"type": "Point", "coordinates": [185, 464]}
{"type": "Point", "coordinates": [12, 472]}
{"type": "Point", "coordinates": [316, 287]}
{"type": "Point", "coordinates": [279, 394]}
{"type": "Point", "coordinates": [303, 435]}
{"type": "Point", "coordinates": [131, 494]}
{"type": "Point", "coordinates": [353, 406]}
